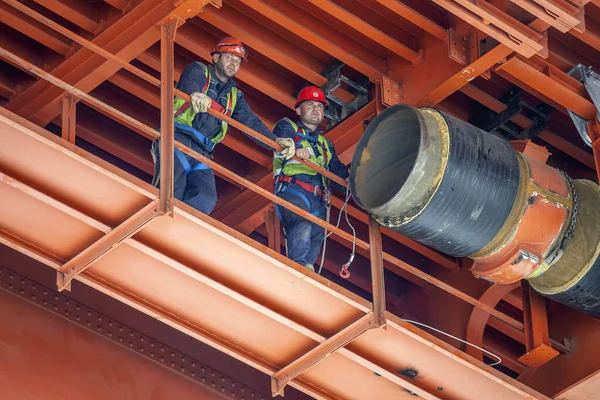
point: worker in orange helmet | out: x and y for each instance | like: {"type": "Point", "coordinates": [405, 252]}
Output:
{"type": "Point", "coordinates": [301, 185]}
{"type": "Point", "coordinates": [210, 86]}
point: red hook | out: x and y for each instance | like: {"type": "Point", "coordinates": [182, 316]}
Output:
{"type": "Point", "coordinates": [344, 273]}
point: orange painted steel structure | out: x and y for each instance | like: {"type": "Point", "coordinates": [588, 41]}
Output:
{"type": "Point", "coordinates": [231, 312]}
{"type": "Point", "coordinates": [290, 42]}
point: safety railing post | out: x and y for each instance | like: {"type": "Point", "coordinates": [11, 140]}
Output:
{"type": "Point", "coordinates": [167, 128]}
{"type": "Point", "coordinates": [376, 256]}
{"type": "Point", "coordinates": [68, 116]}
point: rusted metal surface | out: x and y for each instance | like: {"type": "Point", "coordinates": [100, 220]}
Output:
{"type": "Point", "coordinates": [312, 307]}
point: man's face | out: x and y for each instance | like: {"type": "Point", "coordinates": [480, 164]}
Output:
{"type": "Point", "coordinates": [311, 112]}
{"type": "Point", "coordinates": [227, 64]}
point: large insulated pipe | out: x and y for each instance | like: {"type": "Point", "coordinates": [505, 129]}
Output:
{"type": "Point", "coordinates": [467, 193]}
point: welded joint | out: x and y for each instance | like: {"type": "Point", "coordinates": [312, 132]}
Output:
{"type": "Point", "coordinates": [281, 378]}
{"type": "Point", "coordinates": [105, 245]}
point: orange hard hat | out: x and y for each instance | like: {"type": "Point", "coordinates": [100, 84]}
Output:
{"type": "Point", "coordinates": [231, 45]}
{"type": "Point", "coordinates": [311, 93]}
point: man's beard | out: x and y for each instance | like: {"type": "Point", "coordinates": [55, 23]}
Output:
{"type": "Point", "coordinates": [223, 71]}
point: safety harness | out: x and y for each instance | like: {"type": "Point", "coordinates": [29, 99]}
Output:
{"type": "Point", "coordinates": [284, 170]}
{"type": "Point", "coordinates": [184, 117]}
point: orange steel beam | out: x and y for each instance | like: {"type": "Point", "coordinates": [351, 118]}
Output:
{"type": "Point", "coordinates": [69, 122]}
{"type": "Point", "coordinates": [105, 245]}
{"type": "Point", "coordinates": [281, 378]}
{"type": "Point", "coordinates": [464, 76]}
{"type": "Point", "coordinates": [550, 84]}
{"type": "Point", "coordinates": [78, 39]}
{"type": "Point", "coordinates": [264, 41]}
{"type": "Point", "coordinates": [548, 136]}
{"type": "Point", "coordinates": [226, 322]}
{"type": "Point", "coordinates": [591, 35]}
{"type": "Point", "coordinates": [416, 18]}
{"type": "Point", "coordinates": [123, 5]}
{"type": "Point", "coordinates": [167, 118]}
{"type": "Point", "coordinates": [86, 70]}
{"type": "Point", "coordinates": [75, 343]}
{"type": "Point", "coordinates": [414, 56]}
{"type": "Point", "coordinates": [585, 389]}
{"type": "Point", "coordinates": [538, 346]}
{"type": "Point", "coordinates": [269, 83]}
{"type": "Point", "coordinates": [29, 27]}
{"type": "Point", "coordinates": [560, 14]}
{"type": "Point", "coordinates": [138, 126]}
{"type": "Point", "coordinates": [313, 31]}
{"type": "Point", "coordinates": [499, 25]}
{"type": "Point", "coordinates": [78, 12]}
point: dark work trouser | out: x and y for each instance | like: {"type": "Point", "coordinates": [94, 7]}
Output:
{"type": "Point", "coordinates": [193, 182]}
{"type": "Point", "coordinates": [303, 237]}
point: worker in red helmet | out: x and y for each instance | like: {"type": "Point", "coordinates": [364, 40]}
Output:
{"type": "Point", "coordinates": [210, 86]}
{"type": "Point", "coordinates": [301, 185]}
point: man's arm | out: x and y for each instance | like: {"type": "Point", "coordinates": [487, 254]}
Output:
{"type": "Point", "coordinates": [192, 78]}
{"type": "Point", "coordinates": [337, 167]}
{"type": "Point", "coordinates": [243, 114]}
{"type": "Point", "coordinates": [284, 129]}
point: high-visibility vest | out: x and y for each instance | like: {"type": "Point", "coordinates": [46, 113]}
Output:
{"type": "Point", "coordinates": [293, 167]}
{"type": "Point", "coordinates": [184, 114]}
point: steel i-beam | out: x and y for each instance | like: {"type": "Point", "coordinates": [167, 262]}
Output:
{"type": "Point", "coordinates": [104, 245]}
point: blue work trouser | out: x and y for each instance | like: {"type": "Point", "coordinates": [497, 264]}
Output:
{"type": "Point", "coordinates": [193, 182]}
{"type": "Point", "coordinates": [304, 238]}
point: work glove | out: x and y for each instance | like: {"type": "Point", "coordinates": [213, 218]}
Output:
{"type": "Point", "coordinates": [200, 102]}
{"type": "Point", "coordinates": [289, 147]}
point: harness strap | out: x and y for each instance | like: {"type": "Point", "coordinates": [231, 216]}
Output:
{"type": "Point", "coordinates": [186, 165]}
{"type": "Point", "coordinates": [295, 190]}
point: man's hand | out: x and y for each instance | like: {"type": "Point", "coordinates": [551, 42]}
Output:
{"type": "Point", "coordinates": [289, 147]}
{"type": "Point", "coordinates": [303, 154]}
{"type": "Point", "coordinates": [200, 102]}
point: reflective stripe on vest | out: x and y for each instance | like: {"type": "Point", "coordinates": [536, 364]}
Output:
{"type": "Point", "coordinates": [293, 167]}
{"type": "Point", "coordinates": [187, 117]}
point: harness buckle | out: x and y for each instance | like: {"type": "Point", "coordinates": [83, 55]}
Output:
{"type": "Point", "coordinates": [326, 196]}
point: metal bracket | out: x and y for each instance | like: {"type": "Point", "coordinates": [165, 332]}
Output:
{"type": "Point", "coordinates": [591, 82]}
{"type": "Point", "coordinates": [501, 125]}
{"type": "Point", "coordinates": [391, 92]}
{"type": "Point", "coordinates": [338, 109]}
{"type": "Point", "coordinates": [466, 49]}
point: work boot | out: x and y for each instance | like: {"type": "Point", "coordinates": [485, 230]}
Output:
{"type": "Point", "coordinates": [310, 266]}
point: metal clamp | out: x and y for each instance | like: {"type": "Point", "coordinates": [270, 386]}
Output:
{"type": "Point", "coordinates": [591, 82]}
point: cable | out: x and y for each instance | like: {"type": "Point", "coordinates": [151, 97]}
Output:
{"type": "Point", "coordinates": [343, 210]}
{"type": "Point", "coordinates": [459, 339]}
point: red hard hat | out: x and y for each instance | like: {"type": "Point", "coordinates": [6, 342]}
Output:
{"type": "Point", "coordinates": [231, 45]}
{"type": "Point", "coordinates": [311, 93]}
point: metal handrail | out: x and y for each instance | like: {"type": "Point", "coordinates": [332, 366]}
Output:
{"type": "Point", "coordinates": [144, 129]}
{"type": "Point", "coordinates": [156, 82]}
